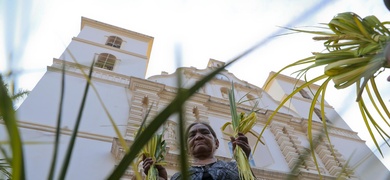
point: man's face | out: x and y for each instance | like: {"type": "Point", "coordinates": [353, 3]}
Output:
{"type": "Point", "coordinates": [201, 142]}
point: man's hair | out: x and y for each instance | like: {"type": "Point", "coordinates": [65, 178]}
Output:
{"type": "Point", "coordinates": [207, 125]}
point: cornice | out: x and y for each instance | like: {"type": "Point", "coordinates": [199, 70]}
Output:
{"type": "Point", "coordinates": [199, 98]}
{"type": "Point", "coordinates": [64, 131]}
{"type": "Point", "coordinates": [239, 84]}
{"type": "Point", "coordinates": [168, 94]}
{"type": "Point", "coordinates": [109, 47]}
{"type": "Point", "coordinates": [138, 84]}
{"type": "Point", "coordinates": [318, 128]}
{"type": "Point", "coordinates": [301, 124]}
{"type": "Point", "coordinates": [289, 79]}
{"type": "Point", "coordinates": [326, 105]}
{"type": "Point", "coordinates": [279, 117]}
{"type": "Point", "coordinates": [118, 30]}
{"type": "Point", "coordinates": [219, 107]}
{"type": "Point", "coordinates": [97, 74]}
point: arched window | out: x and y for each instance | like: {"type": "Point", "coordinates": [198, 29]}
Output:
{"type": "Point", "coordinates": [114, 41]}
{"type": "Point", "coordinates": [252, 99]}
{"type": "Point", "coordinates": [318, 113]}
{"type": "Point", "coordinates": [222, 77]}
{"type": "Point", "coordinates": [105, 61]}
{"type": "Point", "coordinates": [304, 94]}
{"type": "Point", "coordinates": [225, 92]}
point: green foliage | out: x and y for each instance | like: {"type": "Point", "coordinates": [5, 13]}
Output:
{"type": "Point", "coordinates": [355, 54]}
{"type": "Point", "coordinates": [5, 168]}
{"type": "Point", "coordinates": [155, 149]}
{"type": "Point", "coordinates": [240, 124]}
{"type": "Point", "coordinates": [8, 115]}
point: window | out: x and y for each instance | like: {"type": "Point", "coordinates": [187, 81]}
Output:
{"type": "Point", "coordinates": [225, 92]}
{"type": "Point", "coordinates": [222, 77]}
{"type": "Point", "coordinates": [318, 113]}
{"type": "Point", "coordinates": [114, 41]}
{"type": "Point", "coordinates": [105, 61]}
{"type": "Point", "coordinates": [304, 94]}
{"type": "Point", "coordinates": [195, 112]}
{"type": "Point", "coordinates": [252, 100]}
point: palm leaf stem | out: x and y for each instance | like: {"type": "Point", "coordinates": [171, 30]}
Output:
{"type": "Point", "coordinates": [182, 123]}
{"type": "Point", "coordinates": [300, 62]}
{"type": "Point", "coordinates": [379, 97]}
{"type": "Point", "coordinates": [285, 100]}
{"type": "Point", "coordinates": [116, 129]}
{"type": "Point", "coordinates": [375, 104]}
{"type": "Point", "coordinates": [310, 123]}
{"type": "Point", "coordinates": [363, 113]}
{"type": "Point", "coordinates": [374, 123]}
{"type": "Point", "coordinates": [75, 129]}
{"type": "Point", "coordinates": [58, 130]}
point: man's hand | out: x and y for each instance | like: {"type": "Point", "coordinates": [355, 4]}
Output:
{"type": "Point", "coordinates": [241, 141]}
{"type": "Point", "coordinates": [148, 162]}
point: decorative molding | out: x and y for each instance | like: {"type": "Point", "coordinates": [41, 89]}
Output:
{"type": "Point", "coordinates": [318, 127]}
{"type": "Point", "coordinates": [145, 86]}
{"type": "Point", "coordinates": [109, 47]}
{"type": "Point", "coordinates": [118, 30]}
{"type": "Point", "coordinates": [138, 110]}
{"type": "Point", "coordinates": [170, 135]}
{"type": "Point", "coordinates": [291, 147]}
{"type": "Point", "coordinates": [65, 131]}
{"type": "Point", "coordinates": [291, 79]}
{"type": "Point", "coordinates": [97, 74]}
{"type": "Point", "coordinates": [333, 160]}
{"type": "Point", "coordinates": [344, 133]}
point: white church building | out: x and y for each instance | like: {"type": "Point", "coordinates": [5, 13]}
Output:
{"type": "Point", "coordinates": [121, 59]}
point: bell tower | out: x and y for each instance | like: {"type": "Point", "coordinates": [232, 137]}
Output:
{"type": "Point", "coordinates": [113, 49]}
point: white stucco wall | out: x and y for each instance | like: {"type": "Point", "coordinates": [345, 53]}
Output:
{"type": "Point", "coordinates": [91, 159]}
{"type": "Point", "coordinates": [85, 54]}
{"type": "Point", "coordinates": [365, 164]}
{"type": "Point", "coordinates": [100, 36]}
{"type": "Point", "coordinates": [41, 106]}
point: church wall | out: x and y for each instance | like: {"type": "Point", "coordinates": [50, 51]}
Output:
{"type": "Point", "coordinates": [275, 90]}
{"type": "Point", "coordinates": [91, 159]}
{"type": "Point", "coordinates": [361, 158]}
{"type": "Point", "coordinates": [269, 156]}
{"type": "Point", "coordinates": [94, 119]}
{"type": "Point", "coordinates": [217, 123]}
{"type": "Point", "coordinates": [302, 105]}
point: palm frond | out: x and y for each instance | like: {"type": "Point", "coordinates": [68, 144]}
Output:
{"type": "Point", "coordinates": [356, 50]}
{"type": "Point", "coordinates": [8, 114]}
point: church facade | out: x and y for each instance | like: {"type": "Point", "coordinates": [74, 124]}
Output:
{"type": "Point", "coordinates": [121, 93]}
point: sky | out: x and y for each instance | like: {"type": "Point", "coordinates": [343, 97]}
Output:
{"type": "Point", "coordinates": [38, 31]}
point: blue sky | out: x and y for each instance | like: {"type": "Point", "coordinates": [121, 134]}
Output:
{"type": "Point", "coordinates": [38, 31]}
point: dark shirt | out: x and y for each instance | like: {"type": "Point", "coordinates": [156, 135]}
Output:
{"type": "Point", "coordinates": [219, 170]}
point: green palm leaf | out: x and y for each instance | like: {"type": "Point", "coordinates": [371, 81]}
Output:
{"type": "Point", "coordinates": [355, 53]}
{"type": "Point", "coordinates": [8, 115]}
